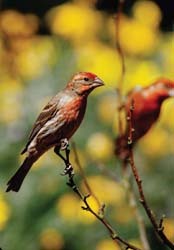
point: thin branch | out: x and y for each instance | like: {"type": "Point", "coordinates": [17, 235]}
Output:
{"type": "Point", "coordinates": [69, 171]}
{"type": "Point", "coordinates": [142, 231]}
{"type": "Point", "coordinates": [118, 45]}
{"type": "Point", "coordinates": [123, 68]}
{"type": "Point", "coordinates": [139, 218]}
{"type": "Point", "coordinates": [158, 227]}
{"type": "Point", "coordinates": [133, 204]}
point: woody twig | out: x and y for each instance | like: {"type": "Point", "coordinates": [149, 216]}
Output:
{"type": "Point", "coordinates": [158, 226]}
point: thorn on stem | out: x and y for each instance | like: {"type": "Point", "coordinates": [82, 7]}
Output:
{"type": "Point", "coordinates": [160, 229]}
{"type": "Point", "coordinates": [86, 197]}
{"type": "Point", "coordinates": [141, 200]}
{"type": "Point", "coordinates": [131, 108]}
{"type": "Point", "coordinates": [129, 141]}
{"type": "Point", "coordinates": [101, 211]}
{"type": "Point", "coordinates": [114, 236]}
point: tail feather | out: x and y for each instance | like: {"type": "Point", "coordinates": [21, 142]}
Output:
{"type": "Point", "coordinates": [16, 181]}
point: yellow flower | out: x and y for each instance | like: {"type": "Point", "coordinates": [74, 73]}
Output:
{"type": "Point", "coordinates": [148, 13]}
{"type": "Point", "coordinates": [102, 60]}
{"type": "Point", "coordinates": [140, 73]}
{"type": "Point", "coordinates": [33, 61]}
{"type": "Point", "coordinates": [76, 22]}
{"type": "Point", "coordinates": [16, 24]}
{"type": "Point", "coordinates": [85, 216]}
{"type": "Point", "coordinates": [158, 139]}
{"type": "Point", "coordinates": [73, 211]}
{"type": "Point", "coordinates": [51, 239]}
{"type": "Point", "coordinates": [4, 212]}
{"type": "Point", "coordinates": [105, 104]}
{"type": "Point", "coordinates": [67, 207]}
{"type": "Point", "coordinates": [107, 245]}
{"type": "Point", "coordinates": [168, 225]}
{"type": "Point", "coordinates": [112, 193]}
{"type": "Point", "coordinates": [137, 38]}
{"type": "Point", "coordinates": [10, 107]}
{"type": "Point", "coordinates": [99, 147]}
{"type": "Point", "coordinates": [167, 50]}
{"type": "Point", "coordinates": [166, 119]}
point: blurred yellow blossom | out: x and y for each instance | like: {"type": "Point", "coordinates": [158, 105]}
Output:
{"type": "Point", "coordinates": [19, 44]}
{"type": "Point", "coordinates": [14, 23]}
{"type": "Point", "coordinates": [85, 216]}
{"type": "Point", "coordinates": [168, 225]}
{"type": "Point", "coordinates": [116, 125]}
{"type": "Point", "coordinates": [107, 245]}
{"type": "Point", "coordinates": [101, 59]}
{"type": "Point", "coordinates": [165, 118]}
{"type": "Point", "coordinates": [51, 239]}
{"type": "Point", "coordinates": [167, 51]}
{"type": "Point", "coordinates": [4, 212]}
{"type": "Point", "coordinates": [68, 207]}
{"type": "Point", "coordinates": [140, 73]}
{"type": "Point", "coordinates": [100, 147]}
{"type": "Point", "coordinates": [112, 192]}
{"type": "Point", "coordinates": [10, 106]}
{"type": "Point", "coordinates": [74, 21]}
{"type": "Point", "coordinates": [33, 61]}
{"type": "Point", "coordinates": [106, 108]}
{"type": "Point", "coordinates": [155, 142]}
{"type": "Point", "coordinates": [136, 38]}
{"type": "Point", "coordinates": [148, 13]}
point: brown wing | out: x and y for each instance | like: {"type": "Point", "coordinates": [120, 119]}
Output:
{"type": "Point", "coordinates": [47, 113]}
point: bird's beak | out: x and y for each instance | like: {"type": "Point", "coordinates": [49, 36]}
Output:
{"type": "Point", "coordinates": [97, 82]}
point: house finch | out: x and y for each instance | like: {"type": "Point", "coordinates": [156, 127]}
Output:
{"type": "Point", "coordinates": [59, 119]}
{"type": "Point", "coordinates": [147, 105]}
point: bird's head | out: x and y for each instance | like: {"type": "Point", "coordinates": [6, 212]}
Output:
{"type": "Point", "coordinates": [163, 88]}
{"type": "Point", "coordinates": [84, 82]}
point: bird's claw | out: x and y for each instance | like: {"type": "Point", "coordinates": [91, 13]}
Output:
{"type": "Point", "coordinates": [64, 144]}
{"type": "Point", "coordinates": [68, 170]}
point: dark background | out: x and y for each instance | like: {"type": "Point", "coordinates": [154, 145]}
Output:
{"type": "Point", "coordinates": [40, 7]}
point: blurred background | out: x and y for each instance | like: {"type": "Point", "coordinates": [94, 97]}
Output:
{"type": "Point", "coordinates": [42, 43]}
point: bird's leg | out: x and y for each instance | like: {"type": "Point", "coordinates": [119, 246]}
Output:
{"type": "Point", "coordinates": [57, 151]}
{"type": "Point", "coordinates": [64, 144]}
{"type": "Point", "coordinates": [64, 147]}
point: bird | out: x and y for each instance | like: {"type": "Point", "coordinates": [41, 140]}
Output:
{"type": "Point", "coordinates": [147, 103]}
{"type": "Point", "coordinates": [58, 120]}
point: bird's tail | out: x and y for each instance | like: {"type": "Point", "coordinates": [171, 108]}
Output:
{"type": "Point", "coordinates": [16, 181]}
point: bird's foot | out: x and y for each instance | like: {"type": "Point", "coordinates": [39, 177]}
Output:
{"type": "Point", "coordinates": [68, 170]}
{"type": "Point", "coordinates": [64, 143]}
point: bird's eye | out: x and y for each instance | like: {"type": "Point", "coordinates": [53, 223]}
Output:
{"type": "Point", "coordinates": [86, 79]}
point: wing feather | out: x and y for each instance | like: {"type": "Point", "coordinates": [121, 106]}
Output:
{"type": "Point", "coordinates": [46, 114]}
